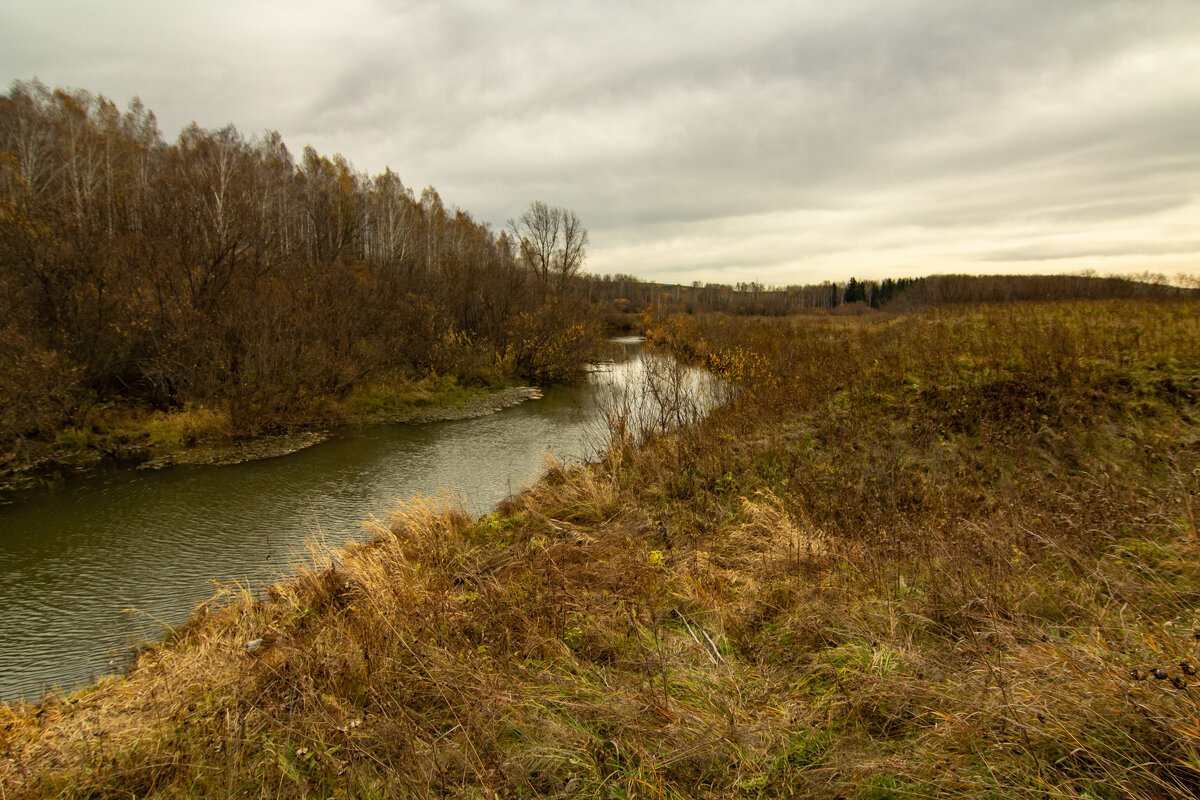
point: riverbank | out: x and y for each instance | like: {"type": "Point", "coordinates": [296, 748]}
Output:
{"type": "Point", "coordinates": [941, 555]}
{"type": "Point", "coordinates": [199, 435]}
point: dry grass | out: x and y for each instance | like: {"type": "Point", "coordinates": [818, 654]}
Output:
{"type": "Point", "coordinates": [920, 556]}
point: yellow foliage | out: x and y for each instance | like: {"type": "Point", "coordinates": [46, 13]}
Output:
{"type": "Point", "coordinates": [741, 367]}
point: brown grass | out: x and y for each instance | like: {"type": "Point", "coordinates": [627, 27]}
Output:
{"type": "Point", "coordinates": [928, 555]}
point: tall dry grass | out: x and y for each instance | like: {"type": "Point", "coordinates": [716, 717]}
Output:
{"type": "Point", "coordinates": [949, 554]}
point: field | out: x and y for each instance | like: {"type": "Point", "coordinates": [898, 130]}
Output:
{"type": "Point", "coordinates": [941, 554]}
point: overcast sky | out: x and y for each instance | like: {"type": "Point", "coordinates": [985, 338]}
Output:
{"type": "Point", "coordinates": [783, 142]}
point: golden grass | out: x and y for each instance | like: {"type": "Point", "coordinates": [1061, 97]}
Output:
{"type": "Point", "coordinates": [938, 555]}
{"type": "Point", "coordinates": [187, 426]}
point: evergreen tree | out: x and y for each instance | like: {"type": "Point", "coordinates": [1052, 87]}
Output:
{"type": "Point", "coordinates": [855, 292]}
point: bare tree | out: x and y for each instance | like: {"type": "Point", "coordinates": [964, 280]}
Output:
{"type": "Point", "coordinates": [575, 238]}
{"type": "Point", "coordinates": [551, 241]}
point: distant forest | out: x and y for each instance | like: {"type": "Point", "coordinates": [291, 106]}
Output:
{"type": "Point", "coordinates": [220, 269]}
{"type": "Point", "coordinates": [630, 294]}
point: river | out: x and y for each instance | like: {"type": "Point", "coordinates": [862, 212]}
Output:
{"type": "Point", "coordinates": [100, 564]}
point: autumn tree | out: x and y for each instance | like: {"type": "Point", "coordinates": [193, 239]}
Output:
{"type": "Point", "coordinates": [219, 269]}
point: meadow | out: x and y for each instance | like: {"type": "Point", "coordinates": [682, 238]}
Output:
{"type": "Point", "coordinates": [948, 553]}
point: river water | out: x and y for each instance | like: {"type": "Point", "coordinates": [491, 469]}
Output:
{"type": "Point", "coordinates": [91, 568]}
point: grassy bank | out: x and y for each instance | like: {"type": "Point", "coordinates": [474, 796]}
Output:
{"type": "Point", "coordinates": [948, 554]}
{"type": "Point", "coordinates": [132, 433]}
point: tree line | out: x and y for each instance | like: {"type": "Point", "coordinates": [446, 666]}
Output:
{"type": "Point", "coordinates": [219, 268]}
{"type": "Point", "coordinates": [631, 295]}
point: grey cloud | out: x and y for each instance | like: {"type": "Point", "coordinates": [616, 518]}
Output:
{"type": "Point", "coordinates": [1034, 253]}
{"type": "Point", "coordinates": [775, 137]}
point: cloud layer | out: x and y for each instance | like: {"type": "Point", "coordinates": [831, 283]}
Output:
{"type": "Point", "coordinates": [784, 142]}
